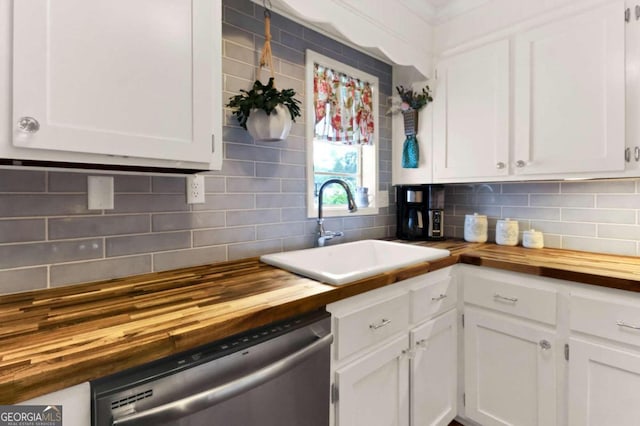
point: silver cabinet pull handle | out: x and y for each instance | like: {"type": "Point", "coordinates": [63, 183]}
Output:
{"type": "Point", "coordinates": [636, 153]}
{"type": "Point", "coordinates": [380, 324]}
{"type": "Point", "coordinates": [637, 8]}
{"type": "Point", "coordinates": [520, 164]}
{"type": "Point", "coordinates": [436, 299]}
{"type": "Point", "coordinates": [624, 324]}
{"type": "Point", "coordinates": [627, 154]}
{"type": "Point", "coordinates": [28, 124]}
{"type": "Point", "coordinates": [508, 299]}
{"type": "Point", "coordinates": [545, 345]}
{"type": "Point", "coordinates": [500, 165]}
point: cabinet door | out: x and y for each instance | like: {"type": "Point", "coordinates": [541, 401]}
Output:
{"type": "Point", "coordinates": [116, 77]}
{"type": "Point", "coordinates": [374, 390]}
{"type": "Point", "coordinates": [510, 377]}
{"type": "Point", "coordinates": [632, 155]}
{"type": "Point", "coordinates": [433, 371]}
{"type": "Point", "coordinates": [471, 113]}
{"type": "Point", "coordinates": [604, 383]}
{"type": "Point", "coordinates": [570, 94]}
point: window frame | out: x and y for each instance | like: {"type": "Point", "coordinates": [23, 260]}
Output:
{"type": "Point", "coordinates": [369, 171]}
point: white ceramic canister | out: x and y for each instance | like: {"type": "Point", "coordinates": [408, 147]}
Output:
{"type": "Point", "coordinates": [532, 239]}
{"type": "Point", "coordinates": [507, 232]}
{"type": "Point", "coordinates": [475, 228]}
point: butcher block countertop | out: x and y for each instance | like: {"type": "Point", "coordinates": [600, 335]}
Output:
{"type": "Point", "coordinates": [52, 339]}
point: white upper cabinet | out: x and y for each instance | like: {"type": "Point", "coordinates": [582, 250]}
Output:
{"type": "Point", "coordinates": [570, 94]}
{"type": "Point", "coordinates": [471, 114]}
{"type": "Point", "coordinates": [538, 96]}
{"type": "Point", "coordinates": [137, 81]}
{"type": "Point", "coordinates": [632, 149]}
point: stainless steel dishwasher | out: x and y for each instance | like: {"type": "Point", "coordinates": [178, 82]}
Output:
{"type": "Point", "coordinates": [276, 375]}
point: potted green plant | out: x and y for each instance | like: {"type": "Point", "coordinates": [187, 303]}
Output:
{"type": "Point", "coordinates": [266, 112]}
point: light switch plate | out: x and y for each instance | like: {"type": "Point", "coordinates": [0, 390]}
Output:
{"type": "Point", "coordinates": [383, 199]}
{"type": "Point", "coordinates": [100, 192]}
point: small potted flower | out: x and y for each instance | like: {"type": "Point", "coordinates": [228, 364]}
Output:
{"type": "Point", "coordinates": [411, 103]}
{"type": "Point", "coordinates": [266, 112]}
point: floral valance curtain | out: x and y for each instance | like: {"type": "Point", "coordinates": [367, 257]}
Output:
{"type": "Point", "coordinates": [343, 107]}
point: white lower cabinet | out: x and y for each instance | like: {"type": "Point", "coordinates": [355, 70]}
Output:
{"type": "Point", "coordinates": [510, 374]}
{"type": "Point", "coordinates": [395, 354]}
{"type": "Point", "coordinates": [510, 348]}
{"type": "Point", "coordinates": [374, 390]}
{"type": "Point", "coordinates": [604, 363]}
{"type": "Point", "coordinates": [434, 371]}
{"type": "Point", "coordinates": [532, 351]}
{"type": "Point", "coordinates": [604, 384]}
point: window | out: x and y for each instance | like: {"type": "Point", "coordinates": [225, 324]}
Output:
{"type": "Point", "coordinates": [342, 130]}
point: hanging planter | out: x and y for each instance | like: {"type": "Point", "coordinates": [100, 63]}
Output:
{"type": "Point", "coordinates": [410, 106]}
{"type": "Point", "coordinates": [264, 111]}
{"type": "Point", "coordinates": [269, 127]}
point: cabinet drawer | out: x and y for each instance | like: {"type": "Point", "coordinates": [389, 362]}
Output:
{"type": "Point", "coordinates": [604, 316]}
{"type": "Point", "coordinates": [371, 324]}
{"type": "Point", "coordinates": [432, 298]}
{"type": "Point", "coordinates": [511, 293]}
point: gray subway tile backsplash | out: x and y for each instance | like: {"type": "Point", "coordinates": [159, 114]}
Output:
{"type": "Point", "coordinates": [22, 181]}
{"type": "Point", "coordinates": [31, 254]}
{"type": "Point", "coordinates": [16, 280]}
{"type": "Point", "coordinates": [93, 226]}
{"type": "Point", "coordinates": [147, 243]}
{"type": "Point", "coordinates": [190, 220]}
{"type": "Point", "coordinates": [40, 205]}
{"type": "Point", "coordinates": [71, 273]}
{"type": "Point", "coordinates": [22, 230]}
{"type": "Point", "coordinates": [189, 257]}
{"type": "Point", "coordinates": [601, 216]}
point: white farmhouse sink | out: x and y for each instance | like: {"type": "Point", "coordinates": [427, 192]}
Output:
{"type": "Point", "coordinates": [342, 263]}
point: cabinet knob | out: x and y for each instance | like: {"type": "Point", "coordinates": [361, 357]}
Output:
{"type": "Point", "coordinates": [636, 153]}
{"type": "Point", "coordinates": [627, 154]}
{"type": "Point", "coordinates": [520, 163]}
{"type": "Point", "coordinates": [545, 345]}
{"type": "Point", "coordinates": [28, 124]}
{"type": "Point", "coordinates": [500, 165]}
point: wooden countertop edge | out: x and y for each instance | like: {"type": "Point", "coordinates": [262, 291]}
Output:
{"type": "Point", "coordinates": [552, 272]}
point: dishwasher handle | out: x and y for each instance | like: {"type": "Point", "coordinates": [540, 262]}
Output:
{"type": "Point", "coordinates": [208, 398]}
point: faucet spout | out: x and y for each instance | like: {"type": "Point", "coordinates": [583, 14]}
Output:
{"type": "Point", "coordinates": [351, 204]}
{"type": "Point", "coordinates": [324, 235]}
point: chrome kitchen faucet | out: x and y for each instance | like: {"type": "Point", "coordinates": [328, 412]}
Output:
{"type": "Point", "coordinates": [323, 235]}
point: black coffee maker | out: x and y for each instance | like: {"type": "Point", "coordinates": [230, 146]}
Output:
{"type": "Point", "coordinates": [420, 212]}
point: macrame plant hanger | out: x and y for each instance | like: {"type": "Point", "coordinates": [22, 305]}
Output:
{"type": "Point", "coordinates": [266, 59]}
{"type": "Point", "coordinates": [275, 126]}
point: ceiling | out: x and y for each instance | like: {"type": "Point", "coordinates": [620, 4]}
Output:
{"type": "Point", "coordinates": [435, 11]}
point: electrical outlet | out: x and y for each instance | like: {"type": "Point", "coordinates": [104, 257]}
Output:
{"type": "Point", "coordinates": [195, 189]}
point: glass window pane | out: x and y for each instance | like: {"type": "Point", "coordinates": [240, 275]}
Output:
{"type": "Point", "coordinates": [332, 158]}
